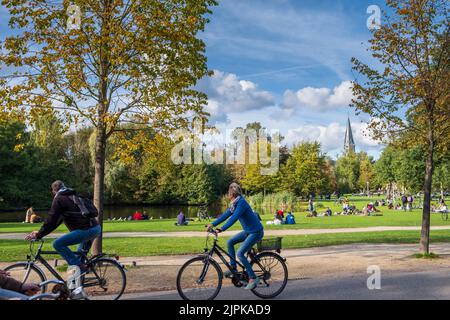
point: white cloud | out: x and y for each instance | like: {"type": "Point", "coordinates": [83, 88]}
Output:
{"type": "Point", "coordinates": [332, 136]}
{"type": "Point", "coordinates": [319, 99]}
{"type": "Point", "coordinates": [228, 94]}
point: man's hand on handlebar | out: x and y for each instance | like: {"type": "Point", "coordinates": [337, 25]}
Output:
{"type": "Point", "coordinates": [32, 236]}
{"type": "Point", "coordinates": [30, 289]}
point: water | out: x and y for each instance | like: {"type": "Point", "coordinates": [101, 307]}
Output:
{"type": "Point", "coordinates": [111, 212]}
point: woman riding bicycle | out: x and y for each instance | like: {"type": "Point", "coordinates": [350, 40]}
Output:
{"type": "Point", "coordinates": [253, 232]}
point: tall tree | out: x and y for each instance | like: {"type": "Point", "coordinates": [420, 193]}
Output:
{"type": "Point", "coordinates": [126, 61]}
{"type": "Point", "coordinates": [366, 172]}
{"type": "Point", "coordinates": [305, 172]}
{"type": "Point", "coordinates": [347, 172]}
{"type": "Point", "coordinates": [409, 96]}
{"type": "Point", "coordinates": [385, 171]}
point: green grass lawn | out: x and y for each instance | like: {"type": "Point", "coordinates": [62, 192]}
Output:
{"type": "Point", "coordinates": [16, 250]}
{"type": "Point", "coordinates": [389, 218]}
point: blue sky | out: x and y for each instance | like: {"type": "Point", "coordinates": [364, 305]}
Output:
{"type": "Point", "coordinates": [293, 59]}
{"type": "Point", "coordinates": [286, 64]}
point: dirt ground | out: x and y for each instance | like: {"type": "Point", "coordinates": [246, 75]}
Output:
{"type": "Point", "coordinates": [147, 274]}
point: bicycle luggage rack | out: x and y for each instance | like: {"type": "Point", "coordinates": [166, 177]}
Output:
{"type": "Point", "coordinates": [270, 244]}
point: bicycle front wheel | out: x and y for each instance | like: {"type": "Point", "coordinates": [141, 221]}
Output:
{"type": "Point", "coordinates": [273, 272]}
{"type": "Point", "coordinates": [27, 273]}
{"type": "Point", "coordinates": [105, 280]}
{"type": "Point", "coordinates": [199, 279]}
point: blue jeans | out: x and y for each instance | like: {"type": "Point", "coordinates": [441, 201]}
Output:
{"type": "Point", "coordinates": [80, 237]}
{"type": "Point", "coordinates": [248, 241]}
{"type": "Point", "coordinates": [8, 294]}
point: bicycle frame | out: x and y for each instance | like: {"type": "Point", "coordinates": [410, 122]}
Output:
{"type": "Point", "coordinates": [220, 252]}
{"type": "Point", "coordinates": [32, 259]}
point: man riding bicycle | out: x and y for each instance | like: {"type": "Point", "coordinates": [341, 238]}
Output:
{"type": "Point", "coordinates": [82, 229]}
{"type": "Point", "coordinates": [252, 233]}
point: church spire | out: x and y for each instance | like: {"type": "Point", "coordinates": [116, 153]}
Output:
{"type": "Point", "coordinates": [349, 144]}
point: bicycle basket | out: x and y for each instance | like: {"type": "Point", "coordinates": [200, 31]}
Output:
{"type": "Point", "coordinates": [269, 244]}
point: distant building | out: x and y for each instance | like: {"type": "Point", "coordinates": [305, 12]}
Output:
{"type": "Point", "coordinates": [349, 144]}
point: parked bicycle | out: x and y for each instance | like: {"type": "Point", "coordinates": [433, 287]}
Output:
{"type": "Point", "coordinates": [202, 214]}
{"type": "Point", "coordinates": [201, 277]}
{"type": "Point", "coordinates": [104, 279]}
{"type": "Point", "coordinates": [444, 216]}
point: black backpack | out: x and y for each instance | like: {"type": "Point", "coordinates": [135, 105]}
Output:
{"type": "Point", "coordinates": [87, 208]}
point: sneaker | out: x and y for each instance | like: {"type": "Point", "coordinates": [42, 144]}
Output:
{"type": "Point", "coordinates": [78, 294]}
{"type": "Point", "coordinates": [252, 285]}
{"type": "Point", "coordinates": [229, 274]}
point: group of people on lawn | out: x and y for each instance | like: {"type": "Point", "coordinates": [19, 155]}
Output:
{"type": "Point", "coordinates": [347, 209]}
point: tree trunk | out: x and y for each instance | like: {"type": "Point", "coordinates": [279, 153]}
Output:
{"type": "Point", "coordinates": [99, 183]}
{"type": "Point", "coordinates": [429, 168]}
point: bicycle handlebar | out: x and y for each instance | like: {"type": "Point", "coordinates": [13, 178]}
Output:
{"type": "Point", "coordinates": [53, 296]}
{"type": "Point", "coordinates": [211, 230]}
{"type": "Point", "coordinates": [45, 283]}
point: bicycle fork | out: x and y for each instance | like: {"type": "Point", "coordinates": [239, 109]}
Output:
{"type": "Point", "coordinates": [205, 269]}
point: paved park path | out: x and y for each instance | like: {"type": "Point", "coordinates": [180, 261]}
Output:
{"type": "Point", "coordinates": [183, 234]}
{"type": "Point", "coordinates": [335, 272]}
{"type": "Point", "coordinates": [424, 285]}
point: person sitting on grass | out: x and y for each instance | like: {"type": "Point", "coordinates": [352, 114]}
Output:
{"type": "Point", "coordinates": [137, 216]}
{"type": "Point", "coordinates": [181, 220]}
{"type": "Point", "coordinates": [365, 212]}
{"type": "Point", "coordinates": [28, 214]}
{"type": "Point", "coordinates": [443, 208]}
{"type": "Point", "coordinates": [279, 215]}
{"type": "Point", "coordinates": [11, 289]}
{"type": "Point", "coordinates": [312, 214]}
{"type": "Point", "coordinates": [328, 212]}
{"type": "Point", "coordinates": [290, 219]}
{"type": "Point", "coordinates": [34, 218]}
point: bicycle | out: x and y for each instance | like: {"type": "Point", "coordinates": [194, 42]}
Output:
{"type": "Point", "coordinates": [201, 277]}
{"type": "Point", "coordinates": [444, 216]}
{"type": "Point", "coordinates": [203, 215]}
{"type": "Point", "coordinates": [104, 279]}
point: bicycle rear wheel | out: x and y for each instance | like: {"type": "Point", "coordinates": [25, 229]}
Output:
{"type": "Point", "coordinates": [27, 273]}
{"type": "Point", "coordinates": [199, 279]}
{"type": "Point", "coordinates": [273, 272]}
{"type": "Point", "coordinates": [105, 280]}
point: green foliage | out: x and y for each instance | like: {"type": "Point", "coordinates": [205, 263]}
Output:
{"type": "Point", "coordinates": [384, 168]}
{"type": "Point", "coordinates": [27, 168]}
{"type": "Point", "coordinates": [347, 172]}
{"type": "Point", "coordinates": [305, 171]}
